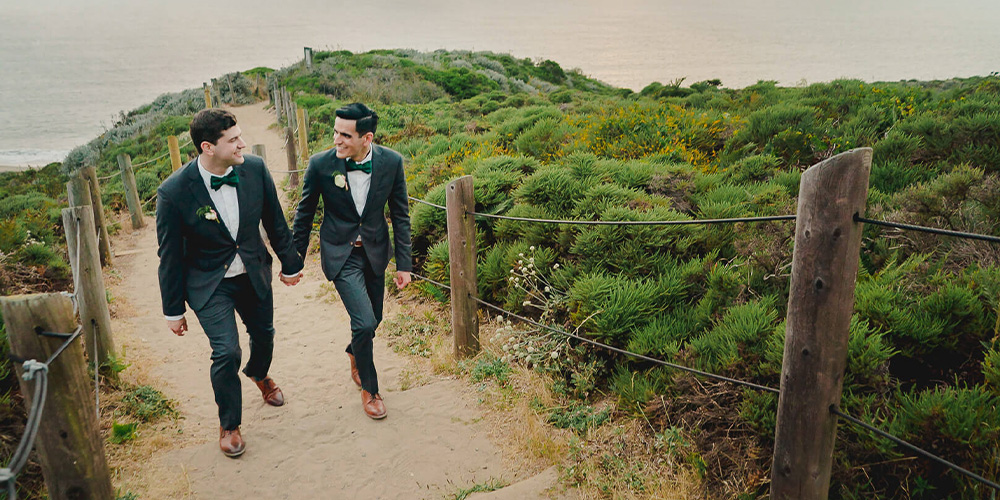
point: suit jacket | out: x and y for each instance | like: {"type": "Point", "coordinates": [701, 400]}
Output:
{"type": "Point", "coordinates": [341, 222]}
{"type": "Point", "coordinates": [196, 252]}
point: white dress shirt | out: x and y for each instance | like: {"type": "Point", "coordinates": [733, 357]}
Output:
{"type": "Point", "coordinates": [360, 182]}
{"type": "Point", "coordinates": [228, 205]}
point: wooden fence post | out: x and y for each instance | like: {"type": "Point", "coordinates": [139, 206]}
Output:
{"type": "Point", "coordinates": [78, 224]}
{"type": "Point", "coordinates": [303, 138]}
{"type": "Point", "coordinates": [131, 194]}
{"type": "Point", "coordinates": [305, 120]}
{"type": "Point", "coordinates": [462, 260]}
{"type": "Point", "coordinates": [78, 191]}
{"type": "Point", "coordinates": [259, 150]}
{"type": "Point", "coordinates": [232, 93]}
{"type": "Point", "coordinates": [103, 240]}
{"type": "Point", "coordinates": [279, 104]}
{"type": "Point", "coordinates": [208, 95]}
{"type": "Point", "coordinates": [293, 177]}
{"type": "Point", "coordinates": [175, 152]}
{"type": "Point", "coordinates": [308, 57]}
{"type": "Point", "coordinates": [68, 443]}
{"type": "Point", "coordinates": [820, 303]}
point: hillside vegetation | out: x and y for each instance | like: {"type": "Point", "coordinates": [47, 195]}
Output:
{"type": "Point", "coordinates": [542, 141]}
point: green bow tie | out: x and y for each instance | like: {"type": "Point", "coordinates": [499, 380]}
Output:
{"type": "Point", "coordinates": [365, 167]}
{"type": "Point", "coordinates": [231, 178]}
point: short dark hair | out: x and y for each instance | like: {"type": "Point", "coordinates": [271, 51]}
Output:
{"type": "Point", "coordinates": [209, 124]}
{"type": "Point", "coordinates": [367, 118]}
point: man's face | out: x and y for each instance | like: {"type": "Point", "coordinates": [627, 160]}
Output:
{"type": "Point", "coordinates": [349, 144]}
{"type": "Point", "coordinates": [228, 150]}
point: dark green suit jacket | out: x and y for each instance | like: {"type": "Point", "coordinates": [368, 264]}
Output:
{"type": "Point", "coordinates": [196, 252]}
{"type": "Point", "coordinates": [341, 222]}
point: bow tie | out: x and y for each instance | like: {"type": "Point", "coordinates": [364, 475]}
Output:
{"type": "Point", "coordinates": [231, 178]}
{"type": "Point", "coordinates": [365, 167]}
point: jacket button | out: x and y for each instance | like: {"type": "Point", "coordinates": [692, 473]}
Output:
{"type": "Point", "coordinates": [225, 266]}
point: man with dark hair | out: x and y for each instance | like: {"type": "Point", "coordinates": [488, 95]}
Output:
{"type": "Point", "coordinates": [213, 257]}
{"type": "Point", "coordinates": [357, 179]}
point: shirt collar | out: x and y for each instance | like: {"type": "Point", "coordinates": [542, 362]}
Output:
{"type": "Point", "coordinates": [207, 176]}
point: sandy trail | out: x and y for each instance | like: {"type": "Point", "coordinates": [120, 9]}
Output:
{"type": "Point", "coordinates": [320, 444]}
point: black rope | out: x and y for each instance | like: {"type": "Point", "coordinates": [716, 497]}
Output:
{"type": "Point", "coordinates": [931, 230]}
{"type": "Point", "coordinates": [627, 353]}
{"type": "Point", "coordinates": [640, 222]}
{"type": "Point", "coordinates": [418, 200]}
{"type": "Point", "coordinates": [442, 285]}
{"type": "Point", "coordinates": [76, 333]}
{"type": "Point", "coordinates": [926, 454]}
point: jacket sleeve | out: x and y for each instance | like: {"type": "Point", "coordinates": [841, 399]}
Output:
{"type": "Point", "coordinates": [306, 209]}
{"type": "Point", "coordinates": [276, 227]}
{"type": "Point", "coordinates": [170, 237]}
{"type": "Point", "coordinates": [399, 214]}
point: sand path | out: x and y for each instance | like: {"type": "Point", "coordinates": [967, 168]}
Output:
{"type": "Point", "coordinates": [320, 445]}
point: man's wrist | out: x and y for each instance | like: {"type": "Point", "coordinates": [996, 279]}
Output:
{"type": "Point", "coordinates": [174, 318]}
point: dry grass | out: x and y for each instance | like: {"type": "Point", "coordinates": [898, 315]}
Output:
{"type": "Point", "coordinates": [619, 459]}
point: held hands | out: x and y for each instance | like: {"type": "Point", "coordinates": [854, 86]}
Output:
{"type": "Point", "coordinates": [290, 281]}
{"type": "Point", "coordinates": [178, 326]}
{"type": "Point", "coordinates": [402, 279]}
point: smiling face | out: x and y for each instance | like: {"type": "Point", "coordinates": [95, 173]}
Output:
{"type": "Point", "coordinates": [349, 143]}
{"type": "Point", "coordinates": [226, 151]}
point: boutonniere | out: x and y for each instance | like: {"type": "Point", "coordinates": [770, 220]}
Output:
{"type": "Point", "coordinates": [208, 213]}
{"type": "Point", "coordinates": [340, 181]}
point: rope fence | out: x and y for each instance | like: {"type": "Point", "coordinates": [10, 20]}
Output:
{"type": "Point", "coordinates": [147, 162]}
{"type": "Point", "coordinates": [833, 409]}
{"type": "Point", "coordinates": [37, 371]}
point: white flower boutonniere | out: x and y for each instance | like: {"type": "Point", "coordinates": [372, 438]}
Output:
{"type": "Point", "coordinates": [208, 213]}
{"type": "Point", "coordinates": [340, 181]}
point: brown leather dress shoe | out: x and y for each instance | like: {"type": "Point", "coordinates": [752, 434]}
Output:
{"type": "Point", "coordinates": [231, 442]}
{"type": "Point", "coordinates": [272, 395]}
{"type": "Point", "coordinates": [373, 405]}
{"type": "Point", "coordinates": [355, 376]}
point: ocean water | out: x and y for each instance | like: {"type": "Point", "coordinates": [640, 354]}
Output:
{"type": "Point", "coordinates": [68, 67]}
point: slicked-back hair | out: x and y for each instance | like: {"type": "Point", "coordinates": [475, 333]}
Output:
{"type": "Point", "coordinates": [366, 117]}
{"type": "Point", "coordinates": [209, 124]}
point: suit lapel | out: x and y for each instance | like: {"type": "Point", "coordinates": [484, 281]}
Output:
{"type": "Point", "coordinates": [374, 181]}
{"type": "Point", "coordinates": [243, 198]}
{"type": "Point", "coordinates": [201, 196]}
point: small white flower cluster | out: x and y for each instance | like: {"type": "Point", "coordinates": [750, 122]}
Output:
{"type": "Point", "coordinates": [30, 239]}
{"type": "Point", "coordinates": [540, 293]}
{"type": "Point", "coordinates": [533, 349]}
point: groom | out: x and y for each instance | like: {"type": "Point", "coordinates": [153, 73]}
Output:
{"type": "Point", "coordinates": [212, 256]}
{"type": "Point", "coordinates": [356, 180]}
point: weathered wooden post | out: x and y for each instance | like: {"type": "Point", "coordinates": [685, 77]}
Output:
{"type": "Point", "coordinates": [308, 57]}
{"type": "Point", "coordinates": [303, 138]}
{"type": "Point", "coordinates": [175, 152]}
{"type": "Point", "coordinates": [293, 176]}
{"type": "Point", "coordinates": [208, 95]}
{"type": "Point", "coordinates": [78, 224]}
{"type": "Point", "coordinates": [232, 94]}
{"type": "Point", "coordinates": [305, 120]}
{"type": "Point", "coordinates": [259, 150]}
{"type": "Point", "coordinates": [131, 193]}
{"type": "Point", "coordinates": [462, 260]}
{"type": "Point", "coordinates": [820, 302]}
{"type": "Point", "coordinates": [270, 89]}
{"type": "Point", "coordinates": [103, 240]}
{"type": "Point", "coordinates": [279, 104]}
{"type": "Point", "coordinates": [68, 443]}
{"type": "Point", "coordinates": [289, 108]}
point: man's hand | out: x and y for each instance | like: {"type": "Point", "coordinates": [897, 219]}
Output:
{"type": "Point", "coordinates": [178, 326]}
{"type": "Point", "coordinates": [402, 279]}
{"type": "Point", "coordinates": [292, 281]}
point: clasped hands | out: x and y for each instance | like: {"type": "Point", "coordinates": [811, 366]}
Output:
{"type": "Point", "coordinates": [290, 280]}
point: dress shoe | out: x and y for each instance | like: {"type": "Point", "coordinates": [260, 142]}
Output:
{"type": "Point", "coordinates": [231, 442]}
{"type": "Point", "coordinates": [373, 405]}
{"type": "Point", "coordinates": [355, 376]}
{"type": "Point", "coordinates": [272, 395]}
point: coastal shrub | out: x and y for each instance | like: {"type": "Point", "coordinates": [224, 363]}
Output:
{"type": "Point", "coordinates": [554, 188]}
{"type": "Point", "coordinates": [542, 140]}
{"type": "Point", "coordinates": [635, 250]}
{"type": "Point", "coordinates": [530, 233]}
{"type": "Point", "coordinates": [437, 266]}
{"type": "Point", "coordinates": [12, 234]}
{"type": "Point", "coordinates": [620, 305]}
{"type": "Point", "coordinates": [51, 264]}
{"type": "Point", "coordinates": [738, 337]}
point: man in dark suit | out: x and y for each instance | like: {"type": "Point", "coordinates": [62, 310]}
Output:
{"type": "Point", "coordinates": [356, 180]}
{"type": "Point", "coordinates": [212, 256]}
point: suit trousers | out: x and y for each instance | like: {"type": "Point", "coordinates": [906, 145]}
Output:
{"type": "Point", "coordinates": [218, 319]}
{"type": "Point", "coordinates": [362, 291]}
